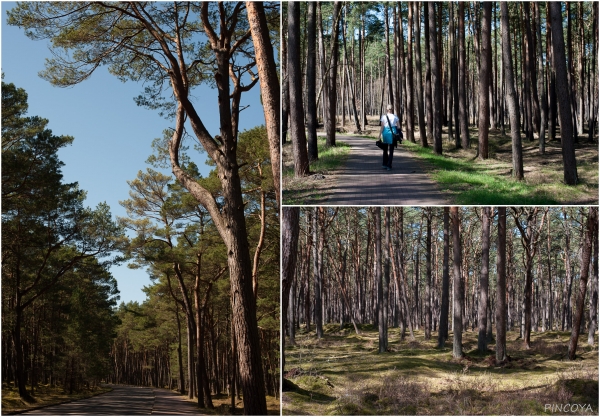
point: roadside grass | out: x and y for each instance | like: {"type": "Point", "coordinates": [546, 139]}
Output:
{"type": "Point", "coordinates": [43, 396]}
{"type": "Point", "coordinates": [469, 180]}
{"type": "Point", "coordinates": [222, 403]}
{"type": "Point", "coordinates": [304, 191]}
{"type": "Point", "coordinates": [342, 374]}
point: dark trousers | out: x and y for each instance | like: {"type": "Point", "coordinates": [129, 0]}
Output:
{"type": "Point", "coordinates": [388, 154]}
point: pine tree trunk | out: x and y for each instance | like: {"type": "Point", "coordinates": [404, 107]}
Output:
{"type": "Point", "coordinates": [458, 292]}
{"type": "Point", "coordinates": [311, 82]}
{"type": "Point", "coordinates": [485, 264]}
{"type": "Point", "coordinates": [562, 93]}
{"type": "Point", "coordinates": [590, 235]}
{"type": "Point", "coordinates": [443, 328]}
{"type": "Point", "coordinates": [462, 79]}
{"type": "Point", "coordinates": [436, 79]}
{"type": "Point", "coordinates": [297, 131]}
{"type": "Point", "coordinates": [485, 69]}
{"type": "Point", "coordinates": [511, 96]}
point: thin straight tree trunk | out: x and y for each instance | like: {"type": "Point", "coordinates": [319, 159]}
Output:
{"type": "Point", "coordinates": [593, 325]}
{"type": "Point", "coordinates": [428, 96]}
{"type": "Point", "coordinates": [332, 94]}
{"type": "Point", "coordinates": [592, 122]}
{"type": "Point", "coordinates": [462, 78]}
{"type": "Point", "coordinates": [485, 69]}
{"type": "Point", "coordinates": [418, 79]}
{"type": "Point", "coordinates": [562, 92]}
{"type": "Point", "coordinates": [318, 240]}
{"type": "Point", "coordinates": [436, 79]}
{"type": "Point", "coordinates": [458, 301]}
{"type": "Point", "coordinates": [428, 324]}
{"type": "Point", "coordinates": [501, 288]}
{"type": "Point", "coordinates": [297, 132]}
{"type": "Point", "coordinates": [511, 95]}
{"type": "Point", "coordinates": [541, 82]}
{"type": "Point", "coordinates": [483, 278]}
{"type": "Point", "coordinates": [290, 232]}
{"type": "Point", "coordinates": [285, 92]}
{"type": "Point", "coordinates": [311, 82]}
{"type": "Point", "coordinates": [410, 112]}
{"type": "Point", "coordinates": [443, 328]}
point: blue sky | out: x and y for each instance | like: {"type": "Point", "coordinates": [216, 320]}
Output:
{"type": "Point", "coordinates": [112, 134]}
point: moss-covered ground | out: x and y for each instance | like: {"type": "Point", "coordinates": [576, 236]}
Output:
{"type": "Point", "coordinates": [343, 374]}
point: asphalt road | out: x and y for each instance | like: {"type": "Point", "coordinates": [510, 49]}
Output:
{"type": "Point", "coordinates": [125, 400]}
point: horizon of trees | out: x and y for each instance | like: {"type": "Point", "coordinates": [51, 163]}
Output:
{"type": "Point", "coordinates": [443, 268]}
{"type": "Point", "coordinates": [525, 67]}
{"type": "Point", "coordinates": [57, 292]}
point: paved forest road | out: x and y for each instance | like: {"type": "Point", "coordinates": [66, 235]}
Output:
{"type": "Point", "coordinates": [125, 400]}
{"type": "Point", "coordinates": [363, 182]}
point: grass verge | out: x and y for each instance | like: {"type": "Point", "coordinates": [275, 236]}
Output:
{"type": "Point", "coordinates": [305, 191]}
{"type": "Point", "coordinates": [471, 181]}
{"type": "Point", "coordinates": [43, 396]}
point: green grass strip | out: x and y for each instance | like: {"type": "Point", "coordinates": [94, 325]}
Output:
{"type": "Point", "coordinates": [469, 182]}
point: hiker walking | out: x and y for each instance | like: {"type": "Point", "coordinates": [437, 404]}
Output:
{"type": "Point", "coordinates": [390, 127]}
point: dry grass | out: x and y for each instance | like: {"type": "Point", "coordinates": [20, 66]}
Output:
{"type": "Point", "coordinates": [222, 406]}
{"type": "Point", "coordinates": [43, 396]}
{"type": "Point", "coordinates": [343, 374]}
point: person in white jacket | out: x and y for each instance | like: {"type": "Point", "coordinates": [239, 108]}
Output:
{"type": "Point", "coordinates": [390, 124]}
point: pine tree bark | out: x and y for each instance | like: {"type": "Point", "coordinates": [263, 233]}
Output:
{"type": "Point", "coordinates": [269, 83]}
{"type": "Point", "coordinates": [462, 78]}
{"type": "Point", "coordinates": [562, 93]}
{"type": "Point", "coordinates": [485, 69]}
{"type": "Point", "coordinates": [297, 131]}
{"type": "Point", "coordinates": [511, 95]}
{"type": "Point", "coordinates": [458, 292]}
{"type": "Point", "coordinates": [311, 81]}
{"type": "Point", "coordinates": [443, 327]}
{"type": "Point", "coordinates": [333, 70]}
{"type": "Point", "coordinates": [501, 312]}
{"type": "Point", "coordinates": [483, 278]}
{"type": "Point", "coordinates": [590, 235]}
{"type": "Point", "coordinates": [290, 233]}
{"type": "Point", "coordinates": [436, 79]}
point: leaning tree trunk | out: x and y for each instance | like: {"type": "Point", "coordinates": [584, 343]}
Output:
{"type": "Point", "coordinates": [590, 235]}
{"type": "Point", "coordinates": [269, 82]}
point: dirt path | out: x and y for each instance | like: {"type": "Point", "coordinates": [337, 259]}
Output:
{"type": "Point", "coordinates": [362, 181]}
{"type": "Point", "coordinates": [125, 400]}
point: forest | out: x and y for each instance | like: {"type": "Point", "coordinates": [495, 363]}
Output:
{"type": "Point", "coordinates": [209, 327]}
{"type": "Point", "coordinates": [439, 310]}
{"type": "Point", "coordinates": [502, 95]}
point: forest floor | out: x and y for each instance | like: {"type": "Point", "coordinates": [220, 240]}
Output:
{"type": "Point", "coordinates": [43, 396]}
{"type": "Point", "coordinates": [464, 179]}
{"type": "Point", "coordinates": [343, 374]}
{"type": "Point", "coordinates": [222, 404]}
